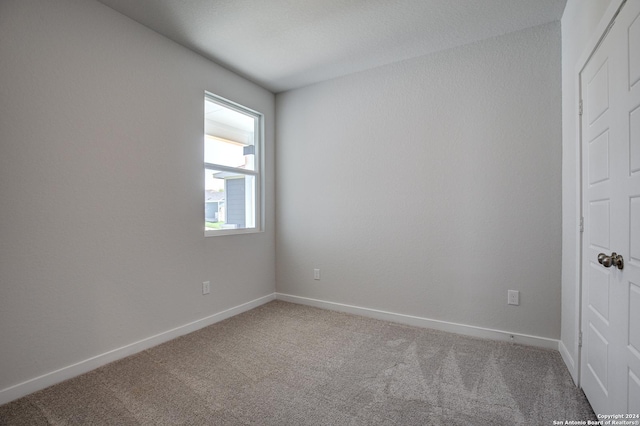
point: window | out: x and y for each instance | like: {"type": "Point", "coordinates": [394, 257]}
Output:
{"type": "Point", "coordinates": [233, 168]}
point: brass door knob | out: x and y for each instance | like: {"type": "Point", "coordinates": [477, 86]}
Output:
{"type": "Point", "coordinates": [608, 261]}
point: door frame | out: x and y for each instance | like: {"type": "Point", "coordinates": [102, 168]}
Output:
{"type": "Point", "coordinates": [595, 40]}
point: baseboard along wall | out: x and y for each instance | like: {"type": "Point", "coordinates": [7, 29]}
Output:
{"type": "Point", "coordinates": [467, 330]}
{"type": "Point", "coordinates": [25, 388]}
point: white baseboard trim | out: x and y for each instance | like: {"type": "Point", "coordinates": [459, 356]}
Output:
{"type": "Point", "coordinates": [25, 388]}
{"type": "Point", "coordinates": [568, 361]}
{"type": "Point", "coordinates": [467, 330]}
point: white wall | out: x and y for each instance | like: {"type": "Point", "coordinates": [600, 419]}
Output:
{"type": "Point", "coordinates": [429, 187]}
{"type": "Point", "coordinates": [579, 22]}
{"type": "Point", "coordinates": [101, 188]}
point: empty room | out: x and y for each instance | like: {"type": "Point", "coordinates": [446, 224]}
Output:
{"type": "Point", "coordinates": [319, 212]}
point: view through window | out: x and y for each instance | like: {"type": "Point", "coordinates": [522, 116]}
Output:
{"type": "Point", "coordinates": [232, 137]}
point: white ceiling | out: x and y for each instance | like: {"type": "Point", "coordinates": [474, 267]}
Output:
{"type": "Point", "coordinates": [286, 44]}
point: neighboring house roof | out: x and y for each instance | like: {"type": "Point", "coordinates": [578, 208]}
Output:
{"type": "Point", "coordinates": [211, 195]}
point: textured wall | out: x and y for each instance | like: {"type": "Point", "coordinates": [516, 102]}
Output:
{"type": "Point", "coordinates": [429, 187]}
{"type": "Point", "coordinates": [101, 180]}
{"type": "Point", "coordinates": [579, 22]}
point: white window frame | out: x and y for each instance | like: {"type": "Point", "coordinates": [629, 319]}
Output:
{"type": "Point", "coordinates": [258, 173]}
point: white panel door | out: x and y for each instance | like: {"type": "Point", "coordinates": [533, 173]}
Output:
{"type": "Point", "coordinates": [610, 92]}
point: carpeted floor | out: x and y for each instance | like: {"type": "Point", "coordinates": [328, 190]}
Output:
{"type": "Point", "coordinates": [287, 364]}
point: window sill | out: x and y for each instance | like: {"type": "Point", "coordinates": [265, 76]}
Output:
{"type": "Point", "coordinates": [221, 232]}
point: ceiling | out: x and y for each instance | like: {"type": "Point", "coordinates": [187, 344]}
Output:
{"type": "Point", "coordinates": [286, 44]}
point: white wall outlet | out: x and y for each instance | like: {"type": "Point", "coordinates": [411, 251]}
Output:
{"type": "Point", "coordinates": [316, 274]}
{"type": "Point", "coordinates": [513, 297]}
{"type": "Point", "coordinates": [206, 287]}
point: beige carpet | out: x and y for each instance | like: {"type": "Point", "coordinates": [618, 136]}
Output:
{"type": "Point", "coordinates": [287, 364]}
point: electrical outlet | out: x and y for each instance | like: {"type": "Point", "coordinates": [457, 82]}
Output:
{"type": "Point", "coordinates": [513, 297]}
{"type": "Point", "coordinates": [206, 287]}
{"type": "Point", "coordinates": [316, 274]}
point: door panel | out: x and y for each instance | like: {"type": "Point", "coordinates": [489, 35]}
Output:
{"type": "Point", "coordinates": [634, 231]}
{"type": "Point", "coordinates": [598, 358]}
{"type": "Point", "coordinates": [599, 291]}
{"type": "Point", "coordinates": [599, 224]}
{"type": "Point", "coordinates": [634, 148]}
{"type": "Point", "coordinates": [598, 92]}
{"type": "Point", "coordinates": [633, 349]}
{"type": "Point", "coordinates": [633, 400]}
{"type": "Point", "coordinates": [634, 52]}
{"type": "Point", "coordinates": [634, 317]}
{"type": "Point", "coordinates": [599, 159]}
